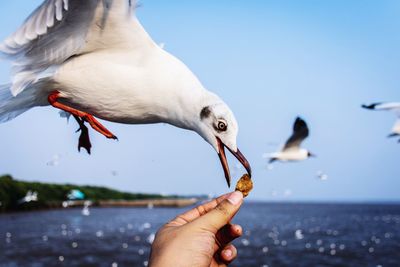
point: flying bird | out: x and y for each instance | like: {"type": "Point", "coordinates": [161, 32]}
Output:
{"type": "Point", "coordinates": [93, 59]}
{"type": "Point", "coordinates": [391, 106]}
{"type": "Point", "coordinates": [292, 151]}
{"type": "Point", "coordinates": [30, 196]}
{"type": "Point", "coordinates": [322, 176]}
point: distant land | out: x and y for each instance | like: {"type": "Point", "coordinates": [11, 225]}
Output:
{"type": "Point", "coordinates": [13, 192]}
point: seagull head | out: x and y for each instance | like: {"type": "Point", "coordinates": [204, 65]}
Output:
{"type": "Point", "coordinates": [218, 126]}
{"type": "Point", "coordinates": [311, 155]}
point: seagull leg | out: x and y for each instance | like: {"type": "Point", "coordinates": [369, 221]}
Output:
{"type": "Point", "coordinates": [95, 124]}
{"type": "Point", "coordinates": [84, 140]}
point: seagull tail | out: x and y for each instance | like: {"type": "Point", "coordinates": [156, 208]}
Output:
{"type": "Point", "coordinates": [10, 106]}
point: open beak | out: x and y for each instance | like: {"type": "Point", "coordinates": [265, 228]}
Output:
{"type": "Point", "coordinates": [224, 162]}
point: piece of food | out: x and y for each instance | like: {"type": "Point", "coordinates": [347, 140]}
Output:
{"type": "Point", "coordinates": [244, 185]}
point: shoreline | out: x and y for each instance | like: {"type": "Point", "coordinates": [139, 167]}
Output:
{"type": "Point", "coordinates": [140, 203]}
{"type": "Point", "coordinates": [166, 202]}
{"type": "Point", "coordinates": [17, 195]}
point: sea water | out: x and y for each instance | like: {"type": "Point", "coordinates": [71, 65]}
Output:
{"type": "Point", "coordinates": [274, 234]}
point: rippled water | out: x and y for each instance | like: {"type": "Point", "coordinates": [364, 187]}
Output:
{"type": "Point", "coordinates": [274, 235]}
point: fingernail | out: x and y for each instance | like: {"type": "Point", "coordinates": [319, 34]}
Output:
{"type": "Point", "coordinates": [235, 197]}
{"type": "Point", "coordinates": [227, 253]}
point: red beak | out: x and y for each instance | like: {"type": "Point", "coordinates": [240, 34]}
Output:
{"type": "Point", "coordinates": [224, 162]}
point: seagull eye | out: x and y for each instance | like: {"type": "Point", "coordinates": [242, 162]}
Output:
{"type": "Point", "coordinates": [222, 126]}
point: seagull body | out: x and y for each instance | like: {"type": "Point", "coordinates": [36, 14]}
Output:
{"type": "Point", "coordinates": [292, 151]}
{"type": "Point", "coordinates": [116, 64]}
{"type": "Point", "coordinates": [290, 155]}
{"type": "Point", "coordinates": [151, 94]}
{"type": "Point", "coordinates": [389, 106]}
{"type": "Point", "coordinates": [93, 58]}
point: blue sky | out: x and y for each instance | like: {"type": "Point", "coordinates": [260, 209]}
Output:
{"type": "Point", "coordinates": [270, 61]}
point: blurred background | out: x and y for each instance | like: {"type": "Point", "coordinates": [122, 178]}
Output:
{"type": "Point", "coordinates": [271, 61]}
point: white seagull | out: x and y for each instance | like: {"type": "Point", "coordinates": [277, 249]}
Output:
{"type": "Point", "coordinates": [292, 151]}
{"type": "Point", "coordinates": [391, 106]}
{"type": "Point", "coordinates": [93, 59]}
{"type": "Point", "coordinates": [322, 176]}
{"type": "Point", "coordinates": [30, 196]}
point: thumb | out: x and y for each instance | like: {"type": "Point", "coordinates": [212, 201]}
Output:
{"type": "Point", "coordinates": [221, 214]}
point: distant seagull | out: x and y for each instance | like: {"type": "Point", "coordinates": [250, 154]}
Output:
{"type": "Point", "coordinates": [55, 160]}
{"type": "Point", "coordinates": [391, 106]}
{"type": "Point", "coordinates": [291, 151]}
{"type": "Point", "coordinates": [322, 176]}
{"type": "Point", "coordinates": [298, 234]}
{"type": "Point", "coordinates": [287, 193]}
{"type": "Point", "coordinates": [29, 197]}
{"type": "Point", "coordinates": [93, 58]}
{"type": "Point", "coordinates": [64, 114]}
{"type": "Point", "coordinates": [85, 210]}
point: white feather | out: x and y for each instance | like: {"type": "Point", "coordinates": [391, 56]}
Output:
{"type": "Point", "coordinates": [396, 127]}
{"type": "Point", "coordinates": [389, 106]}
{"type": "Point", "coordinates": [291, 155]}
{"type": "Point", "coordinates": [103, 62]}
{"type": "Point", "coordinates": [394, 106]}
{"type": "Point", "coordinates": [75, 21]}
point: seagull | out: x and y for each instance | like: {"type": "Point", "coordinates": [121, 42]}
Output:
{"type": "Point", "coordinates": [55, 160]}
{"type": "Point", "coordinates": [85, 210]}
{"type": "Point", "coordinates": [30, 196]}
{"type": "Point", "coordinates": [93, 59]}
{"type": "Point", "coordinates": [391, 106]}
{"type": "Point", "coordinates": [322, 176]}
{"type": "Point", "coordinates": [291, 151]}
{"type": "Point", "coordinates": [298, 234]}
{"type": "Point", "coordinates": [287, 193]}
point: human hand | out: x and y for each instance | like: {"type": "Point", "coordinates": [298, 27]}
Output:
{"type": "Point", "coordinates": [199, 237]}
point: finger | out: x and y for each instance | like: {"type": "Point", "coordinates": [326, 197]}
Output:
{"type": "Point", "coordinates": [216, 218]}
{"type": "Point", "coordinates": [227, 234]}
{"type": "Point", "coordinates": [198, 211]}
{"type": "Point", "coordinates": [228, 254]}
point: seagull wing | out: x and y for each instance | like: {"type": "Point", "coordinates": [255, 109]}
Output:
{"type": "Point", "coordinates": [394, 106]}
{"type": "Point", "coordinates": [396, 127]}
{"type": "Point", "coordinates": [390, 106]}
{"type": "Point", "coordinates": [300, 132]}
{"type": "Point", "coordinates": [60, 29]}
